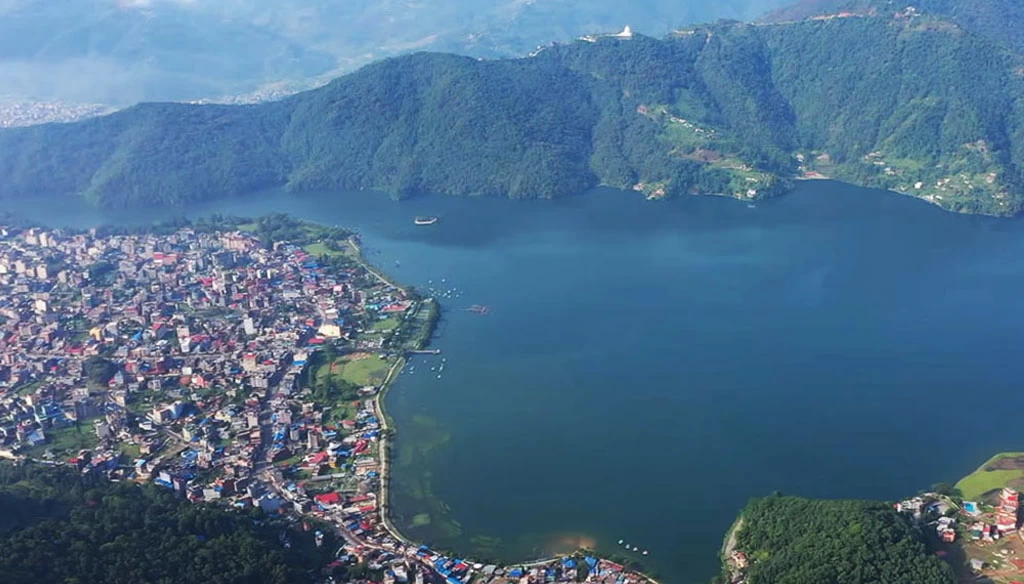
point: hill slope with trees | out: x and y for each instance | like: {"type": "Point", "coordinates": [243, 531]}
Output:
{"type": "Point", "coordinates": [912, 103]}
{"type": "Point", "coordinates": [803, 541]}
{"type": "Point", "coordinates": [995, 20]}
{"type": "Point", "coordinates": [57, 526]}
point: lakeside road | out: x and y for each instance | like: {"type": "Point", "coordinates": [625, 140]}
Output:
{"type": "Point", "coordinates": [354, 246]}
{"type": "Point", "coordinates": [384, 452]}
{"type": "Point", "coordinates": [263, 441]}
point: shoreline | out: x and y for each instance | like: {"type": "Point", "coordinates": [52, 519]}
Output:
{"type": "Point", "coordinates": [388, 425]}
{"type": "Point", "coordinates": [384, 451]}
{"type": "Point", "coordinates": [386, 534]}
{"type": "Point", "coordinates": [388, 428]}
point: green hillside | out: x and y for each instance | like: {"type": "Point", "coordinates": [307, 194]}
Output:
{"type": "Point", "coordinates": [910, 103]}
{"type": "Point", "coordinates": [998, 21]}
{"type": "Point", "coordinates": [804, 541]}
{"type": "Point", "coordinates": [59, 526]}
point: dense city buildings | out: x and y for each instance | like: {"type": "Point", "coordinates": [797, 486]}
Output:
{"type": "Point", "coordinates": [231, 367]}
{"type": "Point", "coordinates": [17, 112]}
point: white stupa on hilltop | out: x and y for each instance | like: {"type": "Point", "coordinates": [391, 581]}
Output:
{"type": "Point", "coordinates": [627, 33]}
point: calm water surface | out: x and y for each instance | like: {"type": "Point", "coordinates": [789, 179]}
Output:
{"type": "Point", "coordinates": [647, 367]}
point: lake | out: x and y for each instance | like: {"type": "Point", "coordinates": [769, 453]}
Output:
{"type": "Point", "coordinates": [646, 367]}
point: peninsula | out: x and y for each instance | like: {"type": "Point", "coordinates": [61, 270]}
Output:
{"type": "Point", "coordinates": [964, 532]}
{"type": "Point", "coordinates": [234, 363]}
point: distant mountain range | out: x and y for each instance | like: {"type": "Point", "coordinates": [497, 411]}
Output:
{"type": "Point", "coordinates": [996, 20]}
{"type": "Point", "coordinates": [121, 52]}
{"type": "Point", "coordinates": [875, 93]}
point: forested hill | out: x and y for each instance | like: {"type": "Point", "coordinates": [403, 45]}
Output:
{"type": "Point", "coordinates": [996, 20]}
{"type": "Point", "coordinates": [909, 102]}
{"type": "Point", "coordinates": [803, 541]}
{"type": "Point", "coordinates": [59, 526]}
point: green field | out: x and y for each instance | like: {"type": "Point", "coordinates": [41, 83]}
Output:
{"type": "Point", "coordinates": [320, 248]}
{"type": "Point", "coordinates": [66, 440]}
{"type": "Point", "coordinates": [367, 370]}
{"type": "Point", "coordinates": [981, 481]}
{"type": "Point", "coordinates": [29, 388]}
{"type": "Point", "coordinates": [131, 451]}
{"type": "Point", "coordinates": [345, 410]}
{"type": "Point", "coordinates": [290, 461]}
{"type": "Point", "coordinates": [386, 325]}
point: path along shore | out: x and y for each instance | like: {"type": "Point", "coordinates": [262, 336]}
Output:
{"type": "Point", "coordinates": [384, 502]}
{"type": "Point", "coordinates": [384, 453]}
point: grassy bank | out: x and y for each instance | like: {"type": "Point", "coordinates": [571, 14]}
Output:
{"type": "Point", "coordinates": [1005, 469]}
{"type": "Point", "coordinates": [431, 315]}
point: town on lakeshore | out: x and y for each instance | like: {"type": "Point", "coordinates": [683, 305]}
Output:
{"type": "Point", "coordinates": [233, 362]}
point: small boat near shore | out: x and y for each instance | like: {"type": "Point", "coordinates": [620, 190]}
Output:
{"type": "Point", "coordinates": [424, 220]}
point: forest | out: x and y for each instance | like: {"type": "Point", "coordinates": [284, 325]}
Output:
{"type": "Point", "coordinates": [59, 526]}
{"type": "Point", "coordinates": [917, 103]}
{"type": "Point", "coordinates": [802, 541]}
{"type": "Point", "coordinates": [997, 21]}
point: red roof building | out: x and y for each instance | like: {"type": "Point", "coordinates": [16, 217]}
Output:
{"type": "Point", "coordinates": [319, 458]}
{"type": "Point", "coordinates": [328, 499]}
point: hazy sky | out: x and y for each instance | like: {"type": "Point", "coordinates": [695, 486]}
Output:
{"type": "Point", "coordinates": [123, 51]}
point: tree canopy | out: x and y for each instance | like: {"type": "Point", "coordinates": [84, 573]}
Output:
{"type": "Point", "coordinates": [802, 541]}
{"type": "Point", "coordinates": [58, 526]}
{"type": "Point", "coordinates": [915, 103]}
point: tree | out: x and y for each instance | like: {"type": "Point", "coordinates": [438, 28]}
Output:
{"type": "Point", "coordinates": [99, 371]}
{"type": "Point", "coordinates": [804, 541]}
{"type": "Point", "coordinates": [946, 489]}
{"type": "Point", "coordinates": [60, 526]}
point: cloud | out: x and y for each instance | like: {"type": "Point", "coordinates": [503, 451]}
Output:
{"type": "Point", "coordinates": [141, 4]}
{"type": "Point", "coordinates": [9, 5]}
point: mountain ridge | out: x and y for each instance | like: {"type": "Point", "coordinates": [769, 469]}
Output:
{"type": "Point", "coordinates": [121, 52]}
{"type": "Point", "coordinates": [912, 103]}
{"type": "Point", "coordinates": [995, 20]}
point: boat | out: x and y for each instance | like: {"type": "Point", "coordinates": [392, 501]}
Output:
{"type": "Point", "coordinates": [422, 220]}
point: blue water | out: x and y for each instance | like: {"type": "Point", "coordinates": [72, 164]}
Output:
{"type": "Point", "coordinates": [647, 367]}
